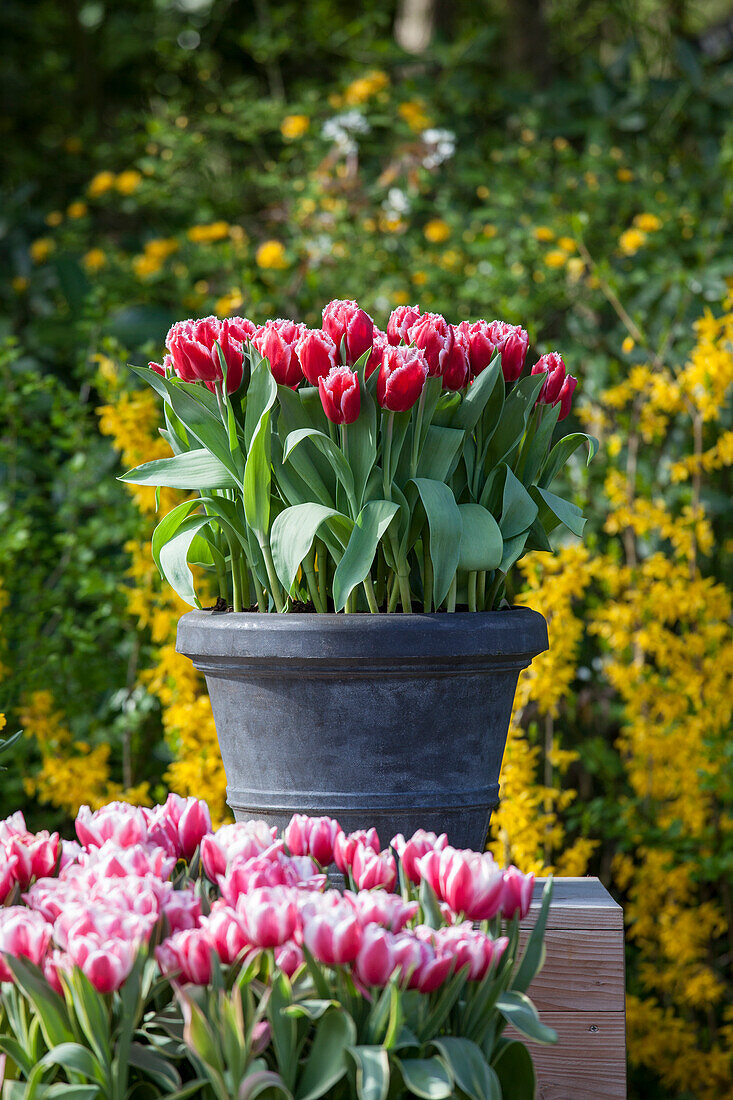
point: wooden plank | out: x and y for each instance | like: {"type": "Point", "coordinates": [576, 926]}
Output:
{"type": "Point", "coordinates": [577, 903]}
{"type": "Point", "coordinates": [583, 971]}
{"type": "Point", "coordinates": [589, 1060]}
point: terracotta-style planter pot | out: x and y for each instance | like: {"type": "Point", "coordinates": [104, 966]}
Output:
{"type": "Point", "coordinates": [397, 721]}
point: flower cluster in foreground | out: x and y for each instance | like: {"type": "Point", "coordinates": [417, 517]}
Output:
{"type": "Point", "coordinates": [155, 896]}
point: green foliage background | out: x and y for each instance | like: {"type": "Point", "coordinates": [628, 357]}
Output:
{"type": "Point", "coordinates": [577, 117]}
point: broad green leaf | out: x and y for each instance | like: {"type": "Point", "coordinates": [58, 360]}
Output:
{"type": "Point", "coordinates": [567, 512]}
{"type": "Point", "coordinates": [371, 523]}
{"type": "Point", "coordinates": [513, 550]}
{"type": "Point", "coordinates": [522, 1015]}
{"type": "Point", "coordinates": [291, 538]}
{"type": "Point", "coordinates": [431, 914]}
{"type": "Point", "coordinates": [477, 396]}
{"type": "Point", "coordinates": [534, 952]}
{"type": "Point", "coordinates": [515, 1070]}
{"type": "Point", "coordinates": [439, 452]}
{"type": "Point", "coordinates": [312, 1008]}
{"type": "Point", "coordinates": [361, 442]}
{"type": "Point", "coordinates": [174, 559]}
{"type": "Point", "coordinates": [263, 1081]}
{"type": "Point", "coordinates": [76, 1059]}
{"type": "Point", "coordinates": [51, 1009]}
{"type": "Point", "coordinates": [482, 545]}
{"type": "Point", "coordinates": [258, 478]}
{"type": "Point", "coordinates": [70, 1092]}
{"type": "Point", "coordinates": [537, 538]}
{"type": "Point", "coordinates": [327, 1062]}
{"type": "Point", "coordinates": [157, 1067]}
{"type": "Point", "coordinates": [168, 526]}
{"type": "Point", "coordinates": [518, 511]}
{"type": "Point", "coordinates": [535, 447]}
{"type": "Point", "coordinates": [284, 1029]}
{"type": "Point", "coordinates": [444, 522]}
{"type": "Point", "coordinates": [192, 470]}
{"type": "Point", "coordinates": [426, 1077]}
{"type": "Point", "coordinates": [562, 451]}
{"type": "Point", "coordinates": [331, 450]}
{"type": "Point", "coordinates": [92, 1013]}
{"type": "Point", "coordinates": [261, 395]}
{"type": "Point", "coordinates": [470, 1069]}
{"type": "Point", "coordinates": [372, 1072]}
{"type": "Point", "coordinates": [514, 417]}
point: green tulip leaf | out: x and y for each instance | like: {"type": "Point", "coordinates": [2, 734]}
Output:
{"type": "Point", "coordinates": [292, 535]}
{"type": "Point", "coordinates": [428, 1078]}
{"type": "Point", "coordinates": [372, 1072]}
{"type": "Point", "coordinates": [327, 1060]}
{"type": "Point", "coordinates": [444, 523]}
{"type": "Point", "coordinates": [482, 546]}
{"type": "Point", "coordinates": [371, 523]}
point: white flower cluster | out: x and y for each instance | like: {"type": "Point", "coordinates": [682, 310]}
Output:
{"type": "Point", "coordinates": [341, 128]}
{"type": "Point", "coordinates": [441, 145]}
{"type": "Point", "coordinates": [396, 204]}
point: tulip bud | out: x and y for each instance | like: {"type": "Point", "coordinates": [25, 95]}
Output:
{"type": "Point", "coordinates": [189, 953]}
{"type": "Point", "coordinates": [345, 846]}
{"type": "Point", "coordinates": [400, 322]}
{"type": "Point", "coordinates": [312, 836]}
{"type": "Point", "coordinates": [517, 893]}
{"type": "Point", "coordinates": [566, 395]}
{"type": "Point", "coordinates": [371, 869]}
{"type": "Point", "coordinates": [317, 354]}
{"type": "Point", "coordinates": [241, 841]}
{"type": "Point", "coordinates": [378, 907]}
{"type": "Point", "coordinates": [376, 960]}
{"type": "Point", "coordinates": [118, 821]}
{"type": "Point", "coordinates": [332, 934]}
{"type": "Point", "coordinates": [276, 341]}
{"type": "Point", "coordinates": [513, 352]}
{"type": "Point", "coordinates": [340, 395]}
{"type": "Point", "coordinates": [456, 368]}
{"type": "Point", "coordinates": [269, 916]}
{"type": "Point", "coordinates": [23, 934]}
{"type": "Point", "coordinates": [470, 882]}
{"type": "Point", "coordinates": [344, 320]}
{"type": "Point", "coordinates": [374, 362]}
{"type": "Point", "coordinates": [224, 930]}
{"type": "Point", "coordinates": [419, 844]}
{"type": "Point", "coordinates": [289, 957]}
{"type": "Point", "coordinates": [432, 334]}
{"type": "Point", "coordinates": [401, 379]}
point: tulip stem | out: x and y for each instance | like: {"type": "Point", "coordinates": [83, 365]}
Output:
{"type": "Point", "coordinates": [322, 558]}
{"type": "Point", "coordinates": [271, 574]}
{"type": "Point", "coordinates": [394, 592]}
{"type": "Point", "coordinates": [404, 583]}
{"type": "Point", "coordinates": [472, 590]}
{"type": "Point", "coordinates": [451, 598]}
{"type": "Point", "coordinates": [416, 433]}
{"type": "Point", "coordinates": [481, 590]}
{"type": "Point", "coordinates": [427, 576]}
{"type": "Point", "coordinates": [310, 576]}
{"type": "Point", "coordinates": [370, 595]}
{"type": "Point", "coordinates": [494, 591]}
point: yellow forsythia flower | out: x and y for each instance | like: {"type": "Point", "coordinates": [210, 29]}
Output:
{"type": "Point", "coordinates": [625, 175]}
{"type": "Point", "coordinates": [631, 241]}
{"type": "Point", "coordinates": [414, 114]}
{"type": "Point", "coordinates": [128, 182]}
{"type": "Point", "coordinates": [77, 210]}
{"type": "Point", "coordinates": [41, 249]}
{"type": "Point", "coordinates": [207, 234]}
{"type": "Point", "coordinates": [294, 126]}
{"type": "Point", "coordinates": [103, 181]}
{"type": "Point", "coordinates": [568, 243]}
{"type": "Point", "coordinates": [362, 89]}
{"type": "Point", "coordinates": [627, 345]}
{"type": "Point", "coordinates": [556, 257]}
{"type": "Point", "coordinates": [271, 254]}
{"type": "Point", "coordinates": [437, 231]}
{"type": "Point", "coordinates": [94, 259]}
{"type": "Point", "coordinates": [54, 218]}
{"type": "Point", "coordinates": [544, 233]}
{"type": "Point", "coordinates": [649, 223]}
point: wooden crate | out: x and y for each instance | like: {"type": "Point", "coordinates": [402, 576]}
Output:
{"type": "Point", "coordinates": [580, 993]}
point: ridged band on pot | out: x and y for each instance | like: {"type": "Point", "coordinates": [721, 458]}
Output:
{"type": "Point", "coordinates": [397, 721]}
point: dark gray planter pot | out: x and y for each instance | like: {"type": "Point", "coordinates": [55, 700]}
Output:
{"type": "Point", "coordinates": [397, 721]}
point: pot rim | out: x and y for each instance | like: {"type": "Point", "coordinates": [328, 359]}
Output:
{"type": "Point", "coordinates": [517, 632]}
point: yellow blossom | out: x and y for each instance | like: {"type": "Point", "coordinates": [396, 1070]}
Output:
{"type": "Point", "coordinates": [94, 259]}
{"type": "Point", "coordinates": [294, 126]}
{"type": "Point", "coordinates": [229, 303]}
{"type": "Point", "coordinates": [437, 231]}
{"type": "Point", "coordinates": [272, 255]}
{"type": "Point", "coordinates": [54, 218]}
{"type": "Point", "coordinates": [414, 113]}
{"type": "Point", "coordinates": [208, 234]}
{"type": "Point", "coordinates": [365, 87]}
{"type": "Point", "coordinates": [625, 175]}
{"type": "Point", "coordinates": [575, 268]}
{"type": "Point", "coordinates": [628, 344]}
{"type": "Point", "coordinates": [99, 184]}
{"type": "Point", "coordinates": [568, 243]}
{"type": "Point", "coordinates": [649, 223]}
{"type": "Point", "coordinates": [19, 284]}
{"type": "Point", "coordinates": [41, 249]}
{"type": "Point", "coordinates": [419, 278]}
{"type": "Point", "coordinates": [489, 231]}
{"type": "Point", "coordinates": [631, 240]}
{"type": "Point", "coordinates": [482, 192]}
{"type": "Point", "coordinates": [560, 144]}
{"type": "Point", "coordinates": [544, 233]}
{"type": "Point", "coordinates": [128, 182]}
{"type": "Point", "coordinates": [77, 210]}
{"type": "Point", "coordinates": [556, 257]}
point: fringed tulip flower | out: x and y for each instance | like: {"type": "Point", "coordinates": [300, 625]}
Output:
{"type": "Point", "coordinates": [370, 869]}
{"type": "Point", "coordinates": [400, 322]}
{"type": "Point", "coordinates": [224, 930]}
{"type": "Point", "coordinates": [432, 334]}
{"type": "Point", "coordinates": [472, 948]}
{"type": "Point", "coordinates": [312, 836]}
{"type": "Point", "coordinates": [277, 341]}
{"type": "Point", "coordinates": [193, 354]}
{"type": "Point", "coordinates": [401, 378]}
{"type": "Point", "coordinates": [486, 338]}
{"type": "Point", "coordinates": [374, 362]}
{"type": "Point", "coordinates": [456, 367]}
{"type": "Point", "coordinates": [340, 395]}
{"type": "Point", "coordinates": [345, 845]}
{"type": "Point", "coordinates": [566, 395]}
{"type": "Point", "coordinates": [553, 367]}
{"type": "Point", "coordinates": [345, 320]}
{"type": "Point", "coordinates": [379, 907]}
{"type": "Point", "coordinates": [8, 881]}
{"type": "Point", "coordinates": [289, 957]}
{"type": "Point", "coordinates": [190, 820]}
{"type": "Point", "coordinates": [317, 354]}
